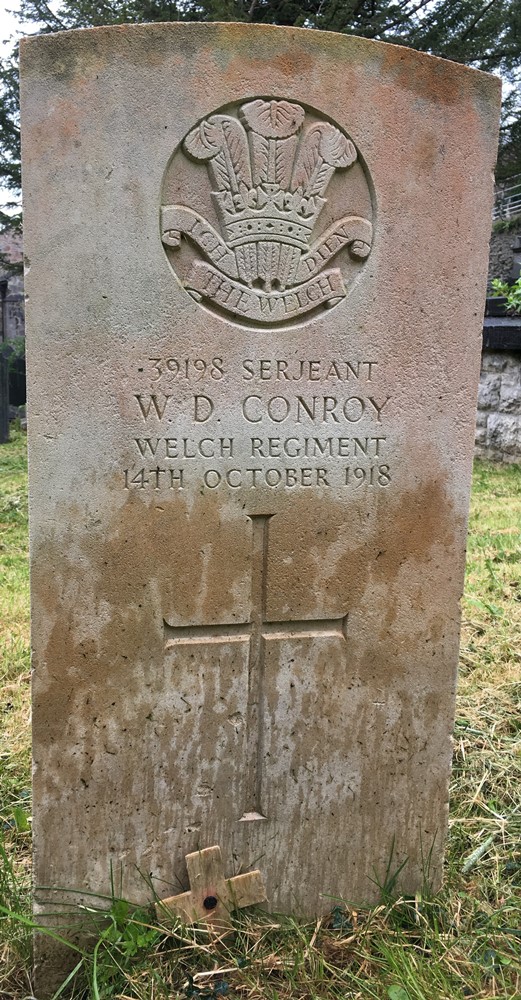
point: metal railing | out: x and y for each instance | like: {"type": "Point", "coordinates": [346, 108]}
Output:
{"type": "Point", "coordinates": [508, 200]}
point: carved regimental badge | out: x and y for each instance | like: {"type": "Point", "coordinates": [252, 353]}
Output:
{"type": "Point", "coordinates": [257, 235]}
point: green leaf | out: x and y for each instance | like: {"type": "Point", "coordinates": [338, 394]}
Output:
{"type": "Point", "coordinates": [21, 819]}
{"type": "Point", "coordinates": [397, 993]}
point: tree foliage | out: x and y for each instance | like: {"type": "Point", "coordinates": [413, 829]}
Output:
{"type": "Point", "coordinates": [485, 34]}
{"type": "Point", "coordinates": [10, 171]}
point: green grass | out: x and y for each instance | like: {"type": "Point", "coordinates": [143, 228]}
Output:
{"type": "Point", "coordinates": [462, 944]}
{"type": "Point", "coordinates": [15, 773]}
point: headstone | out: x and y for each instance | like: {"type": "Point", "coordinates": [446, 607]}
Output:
{"type": "Point", "coordinates": [5, 353]}
{"type": "Point", "coordinates": [257, 262]}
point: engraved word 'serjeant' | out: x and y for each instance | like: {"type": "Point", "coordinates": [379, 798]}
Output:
{"type": "Point", "coordinates": [269, 173]}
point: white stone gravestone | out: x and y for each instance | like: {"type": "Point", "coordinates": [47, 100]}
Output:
{"type": "Point", "coordinates": [256, 264]}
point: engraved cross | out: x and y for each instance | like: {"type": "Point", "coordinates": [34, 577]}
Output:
{"type": "Point", "coordinates": [256, 633]}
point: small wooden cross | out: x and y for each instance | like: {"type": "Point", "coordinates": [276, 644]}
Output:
{"type": "Point", "coordinates": [211, 896]}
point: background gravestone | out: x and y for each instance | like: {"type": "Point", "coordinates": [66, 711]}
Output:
{"type": "Point", "coordinates": [256, 276]}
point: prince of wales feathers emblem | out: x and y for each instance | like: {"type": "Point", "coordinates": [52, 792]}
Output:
{"type": "Point", "coordinates": [269, 174]}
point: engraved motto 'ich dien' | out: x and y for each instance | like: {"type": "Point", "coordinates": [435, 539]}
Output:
{"type": "Point", "coordinates": [266, 171]}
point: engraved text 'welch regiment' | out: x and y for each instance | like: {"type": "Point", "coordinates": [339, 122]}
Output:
{"type": "Point", "coordinates": [269, 174]}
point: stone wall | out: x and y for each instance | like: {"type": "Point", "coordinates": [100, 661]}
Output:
{"type": "Point", "coordinates": [498, 429]}
{"type": "Point", "coordinates": [501, 259]}
{"type": "Point", "coordinates": [11, 287]}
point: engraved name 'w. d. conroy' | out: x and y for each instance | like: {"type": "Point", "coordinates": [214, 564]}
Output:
{"type": "Point", "coordinates": [269, 170]}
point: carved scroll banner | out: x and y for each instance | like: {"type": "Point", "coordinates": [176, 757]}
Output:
{"type": "Point", "coordinates": [208, 282]}
{"type": "Point", "coordinates": [177, 221]}
{"type": "Point", "coordinates": [253, 355]}
{"type": "Point", "coordinates": [240, 298]}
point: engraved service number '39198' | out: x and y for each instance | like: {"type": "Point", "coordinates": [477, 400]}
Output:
{"type": "Point", "coordinates": [189, 368]}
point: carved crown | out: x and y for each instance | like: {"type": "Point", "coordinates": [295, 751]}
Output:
{"type": "Point", "coordinates": [269, 176]}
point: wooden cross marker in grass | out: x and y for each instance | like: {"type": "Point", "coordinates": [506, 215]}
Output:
{"type": "Point", "coordinates": [211, 896]}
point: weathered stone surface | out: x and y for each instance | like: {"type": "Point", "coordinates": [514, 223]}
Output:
{"type": "Point", "coordinates": [248, 532]}
{"type": "Point", "coordinates": [501, 258]}
{"type": "Point", "coordinates": [494, 361]}
{"type": "Point", "coordinates": [504, 433]}
{"type": "Point", "coordinates": [510, 401]}
{"type": "Point", "coordinates": [488, 391]}
{"type": "Point", "coordinates": [498, 435]}
{"type": "Point", "coordinates": [481, 435]}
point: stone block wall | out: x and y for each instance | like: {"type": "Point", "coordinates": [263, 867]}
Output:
{"type": "Point", "coordinates": [500, 256]}
{"type": "Point", "coordinates": [498, 428]}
